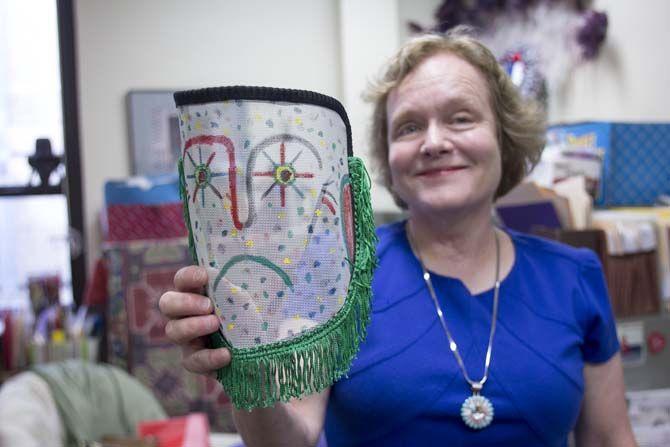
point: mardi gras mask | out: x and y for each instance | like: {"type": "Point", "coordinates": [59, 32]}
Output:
{"type": "Point", "coordinates": [278, 211]}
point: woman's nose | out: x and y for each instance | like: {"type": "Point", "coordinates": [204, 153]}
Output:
{"type": "Point", "coordinates": [436, 141]}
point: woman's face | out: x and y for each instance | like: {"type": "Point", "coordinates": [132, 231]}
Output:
{"type": "Point", "coordinates": [443, 148]}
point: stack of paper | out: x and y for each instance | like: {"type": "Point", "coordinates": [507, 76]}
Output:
{"type": "Point", "coordinates": [619, 222]}
{"type": "Point", "coordinates": [566, 206]}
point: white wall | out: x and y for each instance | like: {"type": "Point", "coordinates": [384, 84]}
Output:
{"type": "Point", "coordinates": [174, 44]}
{"type": "Point", "coordinates": [370, 36]}
{"type": "Point", "coordinates": [630, 79]}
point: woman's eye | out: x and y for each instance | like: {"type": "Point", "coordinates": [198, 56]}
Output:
{"type": "Point", "coordinates": [462, 119]}
{"type": "Point", "coordinates": [406, 129]}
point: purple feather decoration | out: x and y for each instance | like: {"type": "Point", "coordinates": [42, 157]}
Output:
{"type": "Point", "coordinates": [592, 33]}
{"type": "Point", "coordinates": [449, 14]}
{"type": "Point", "coordinates": [480, 14]}
{"type": "Point", "coordinates": [519, 5]}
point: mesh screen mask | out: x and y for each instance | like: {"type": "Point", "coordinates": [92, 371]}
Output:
{"type": "Point", "coordinates": [278, 211]}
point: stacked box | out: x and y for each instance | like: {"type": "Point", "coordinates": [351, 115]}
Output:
{"type": "Point", "coordinates": [143, 208]}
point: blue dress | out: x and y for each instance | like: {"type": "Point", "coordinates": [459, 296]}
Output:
{"type": "Point", "coordinates": [405, 387]}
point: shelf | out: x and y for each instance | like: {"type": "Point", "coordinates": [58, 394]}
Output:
{"type": "Point", "coordinates": [13, 191]}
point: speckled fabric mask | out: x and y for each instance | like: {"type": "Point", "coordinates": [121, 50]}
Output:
{"type": "Point", "coordinates": [278, 211]}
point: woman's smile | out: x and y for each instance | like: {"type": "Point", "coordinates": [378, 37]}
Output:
{"type": "Point", "coordinates": [440, 171]}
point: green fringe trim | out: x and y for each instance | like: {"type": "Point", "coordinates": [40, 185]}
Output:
{"type": "Point", "coordinates": [311, 362]}
{"type": "Point", "coordinates": [187, 218]}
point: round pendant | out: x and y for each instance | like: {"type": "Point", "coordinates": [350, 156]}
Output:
{"type": "Point", "coordinates": [477, 412]}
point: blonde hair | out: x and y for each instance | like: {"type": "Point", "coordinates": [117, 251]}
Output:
{"type": "Point", "coordinates": [520, 123]}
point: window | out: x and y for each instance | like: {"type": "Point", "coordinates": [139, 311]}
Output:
{"type": "Point", "coordinates": [35, 222]}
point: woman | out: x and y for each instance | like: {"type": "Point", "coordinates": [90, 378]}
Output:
{"type": "Point", "coordinates": [479, 336]}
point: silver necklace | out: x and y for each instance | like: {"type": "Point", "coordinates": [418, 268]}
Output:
{"type": "Point", "coordinates": [477, 410]}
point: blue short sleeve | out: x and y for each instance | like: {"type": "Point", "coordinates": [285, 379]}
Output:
{"type": "Point", "coordinates": [596, 316]}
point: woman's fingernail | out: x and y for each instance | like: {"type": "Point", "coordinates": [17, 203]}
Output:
{"type": "Point", "coordinates": [205, 305]}
{"type": "Point", "coordinates": [201, 276]}
{"type": "Point", "coordinates": [222, 355]}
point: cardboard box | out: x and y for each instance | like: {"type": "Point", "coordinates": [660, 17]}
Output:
{"type": "Point", "coordinates": [141, 208]}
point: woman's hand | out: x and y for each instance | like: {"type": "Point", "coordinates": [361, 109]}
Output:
{"type": "Point", "coordinates": [296, 423]}
{"type": "Point", "coordinates": [191, 318]}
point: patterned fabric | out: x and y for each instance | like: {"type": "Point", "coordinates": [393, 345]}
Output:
{"type": "Point", "coordinates": [141, 222]}
{"type": "Point", "coordinates": [139, 273]}
{"type": "Point", "coordinates": [637, 169]}
{"type": "Point", "coordinates": [270, 210]}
